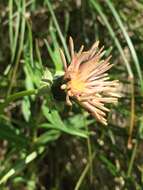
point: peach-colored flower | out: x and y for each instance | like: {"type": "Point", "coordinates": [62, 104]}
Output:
{"type": "Point", "coordinates": [87, 80]}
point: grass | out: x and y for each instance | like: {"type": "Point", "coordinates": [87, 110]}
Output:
{"type": "Point", "coordinates": [43, 143]}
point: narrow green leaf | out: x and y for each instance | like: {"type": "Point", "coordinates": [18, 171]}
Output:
{"type": "Point", "coordinates": [48, 136]}
{"type": "Point", "coordinates": [111, 167]}
{"type": "Point", "coordinates": [8, 133]}
{"type": "Point", "coordinates": [58, 29]}
{"type": "Point", "coordinates": [128, 39]}
{"type": "Point", "coordinates": [98, 8]}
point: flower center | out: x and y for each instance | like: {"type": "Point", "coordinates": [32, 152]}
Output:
{"type": "Point", "coordinates": [77, 85]}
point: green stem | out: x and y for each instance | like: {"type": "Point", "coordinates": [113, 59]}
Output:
{"type": "Point", "coordinates": [80, 180]}
{"type": "Point", "coordinates": [16, 96]}
{"type": "Point", "coordinates": [11, 24]}
{"type": "Point", "coordinates": [132, 159]}
{"type": "Point", "coordinates": [89, 150]}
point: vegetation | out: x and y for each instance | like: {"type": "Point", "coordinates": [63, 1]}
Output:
{"type": "Point", "coordinates": [45, 144]}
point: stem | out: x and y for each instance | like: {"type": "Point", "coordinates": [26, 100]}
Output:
{"type": "Point", "coordinates": [11, 25]}
{"type": "Point", "coordinates": [89, 151]}
{"type": "Point", "coordinates": [81, 178]}
{"type": "Point", "coordinates": [132, 159]}
{"type": "Point", "coordinates": [129, 145]}
{"type": "Point", "coordinates": [16, 96]}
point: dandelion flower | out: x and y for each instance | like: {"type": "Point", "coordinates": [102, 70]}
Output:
{"type": "Point", "coordinates": [87, 81]}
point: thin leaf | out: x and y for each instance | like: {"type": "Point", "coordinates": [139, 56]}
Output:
{"type": "Point", "coordinates": [98, 8]}
{"type": "Point", "coordinates": [128, 39]}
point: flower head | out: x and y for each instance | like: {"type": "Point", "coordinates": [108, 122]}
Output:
{"type": "Point", "coordinates": [87, 80]}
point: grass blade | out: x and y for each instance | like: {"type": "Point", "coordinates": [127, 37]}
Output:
{"type": "Point", "coordinates": [98, 8]}
{"type": "Point", "coordinates": [11, 25]}
{"type": "Point", "coordinates": [128, 39]}
{"type": "Point", "coordinates": [21, 43]}
{"type": "Point", "coordinates": [58, 29]}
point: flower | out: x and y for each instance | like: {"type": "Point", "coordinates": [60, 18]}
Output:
{"type": "Point", "coordinates": [87, 81]}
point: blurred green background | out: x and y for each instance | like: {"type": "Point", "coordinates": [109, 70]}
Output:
{"type": "Point", "coordinates": [45, 145]}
